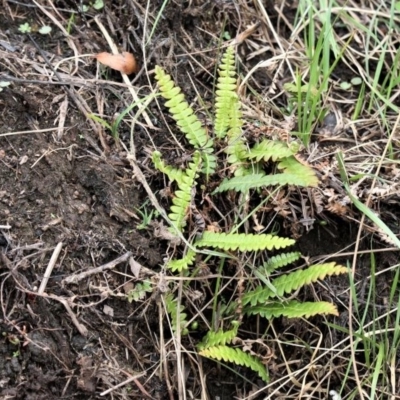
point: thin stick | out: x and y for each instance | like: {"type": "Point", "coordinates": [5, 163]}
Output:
{"type": "Point", "coordinates": [125, 382]}
{"type": "Point", "coordinates": [49, 268]}
{"type": "Point", "coordinates": [78, 277]}
{"type": "Point", "coordinates": [81, 328]}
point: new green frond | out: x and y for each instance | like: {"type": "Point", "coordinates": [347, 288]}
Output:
{"type": "Point", "coordinates": [228, 117]}
{"type": "Point", "coordinates": [294, 173]}
{"type": "Point", "coordinates": [293, 309]}
{"type": "Point", "coordinates": [226, 96]}
{"type": "Point", "coordinates": [305, 175]}
{"type": "Point", "coordinates": [178, 316]}
{"type": "Point", "coordinates": [139, 291]}
{"type": "Point", "coordinates": [269, 149]}
{"type": "Point", "coordinates": [219, 338]}
{"type": "Point", "coordinates": [255, 181]}
{"type": "Point", "coordinates": [181, 112]}
{"type": "Point", "coordinates": [236, 356]}
{"type": "Point", "coordinates": [237, 156]}
{"type": "Point", "coordinates": [280, 261]}
{"type": "Point", "coordinates": [209, 163]}
{"type": "Point", "coordinates": [288, 283]}
{"type": "Point", "coordinates": [243, 242]}
{"type": "Point", "coordinates": [236, 148]}
{"type": "Point", "coordinates": [181, 201]}
{"type": "Point", "coordinates": [174, 174]}
{"type": "Point", "coordinates": [182, 264]}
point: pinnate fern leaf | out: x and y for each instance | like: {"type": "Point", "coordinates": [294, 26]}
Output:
{"type": "Point", "coordinates": [181, 112]}
{"type": "Point", "coordinates": [228, 116]}
{"type": "Point", "coordinates": [236, 148]}
{"type": "Point", "coordinates": [236, 356]}
{"type": "Point", "coordinates": [290, 282]}
{"type": "Point", "coordinates": [243, 242]}
{"type": "Point", "coordinates": [182, 198]}
{"type": "Point", "coordinates": [305, 177]}
{"type": "Point", "coordinates": [219, 338]}
{"type": "Point", "coordinates": [237, 156]}
{"type": "Point", "coordinates": [304, 174]}
{"type": "Point", "coordinates": [209, 162]}
{"type": "Point", "coordinates": [176, 313]}
{"type": "Point", "coordinates": [246, 182]}
{"type": "Point", "coordinates": [174, 174]}
{"type": "Point", "coordinates": [269, 149]}
{"type": "Point", "coordinates": [226, 97]}
{"type": "Point", "coordinates": [293, 309]}
{"type": "Point", "coordinates": [182, 264]}
{"type": "Point", "coordinates": [279, 261]}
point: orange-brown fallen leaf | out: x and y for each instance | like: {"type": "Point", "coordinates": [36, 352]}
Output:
{"type": "Point", "coordinates": [125, 62]}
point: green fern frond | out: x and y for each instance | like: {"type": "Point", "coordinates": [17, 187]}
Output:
{"type": "Point", "coordinates": [237, 157]}
{"type": "Point", "coordinates": [226, 97]}
{"type": "Point", "coordinates": [182, 198]}
{"type": "Point", "coordinates": [173, 310]}
{"type": "Point", "coordinates": [181, 112]}
{"type": "Point", "coordinates": [254, 181]}
{"type": "Point", "coordinates": [219, 338]}
{"type": "Point", "coordinates": [269, 149]}
{"type": "Point", "coordinates": [243, 242]}
{"type": "Point", "coordinates": [139, 291]}
{"type": "Point", "coordinates": [290, 282]}
{"type": "Point", "coordinates": [182, 264]}
{"type": "Point", "coordinates": [293, 309]}
{"type": "Point", "coordinates": [236, 356]}
{"type": "Point", "coordinates": [305, 175]}
{"type": "Point", "coordinates": [228, 116]}
{"type": "Point", "coordinates": [174, 174]}
{"type": "Point", "coordinates": [237, 149]}
{"type": "Point", "coordinates": [209, 163]}
{"type": "Point", "coordinates": [280, 261]}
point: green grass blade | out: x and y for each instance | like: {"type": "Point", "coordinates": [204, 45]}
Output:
{"type": "Point", "coordinates": [362, 207]}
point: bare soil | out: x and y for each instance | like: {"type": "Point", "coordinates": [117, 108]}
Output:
{"type": "Point", "coordinates": [75, 186]}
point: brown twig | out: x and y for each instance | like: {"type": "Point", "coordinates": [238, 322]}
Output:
{"type": "Point", "coordinates": [78, 277]}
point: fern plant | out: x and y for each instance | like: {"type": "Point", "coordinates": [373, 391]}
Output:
{"type": "Point", "coordinates": [246, 172]}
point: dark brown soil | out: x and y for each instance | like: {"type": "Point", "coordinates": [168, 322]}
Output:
{"type": "Point", "coordinates": [78, 189]}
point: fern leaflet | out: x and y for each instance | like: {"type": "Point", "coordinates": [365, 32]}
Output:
{"type": "Point", "coordinates": [290, 282]}
{"type": "Point", "coordinates": [292, 309]}
{"type": "Point", "coordinates": [242, 241]}
{"type": "Point", "coordinates": [181, 112]}
{"type": "Point", "coordinates": [139, 291]}
{"type": "Point", "coordinates": [182, 198]}
{"type": "Point", "coordinates": [176, 313]}
{"type": "Point", "coordinates": [174, 174]}
{"type": "Point", "coordinates": [236, 356]}
{"type": "Point", "coordinates": [219, 338]}
{"type": "Point", "coordinates": [226, 97]}
{"type": "Point", "coordinates": [280, 261]}
{"type": "Point", "coordinates": [269, 149]}
{"type": "Point", "coordinates": [182, 264]}
{"type": "Point", "coordinates": [305, 174]}
{"type": "Point", "coordinates": [245, 183]}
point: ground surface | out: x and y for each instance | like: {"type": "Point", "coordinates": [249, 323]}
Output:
{"type": "Point", "coordinates": [74, 185]}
